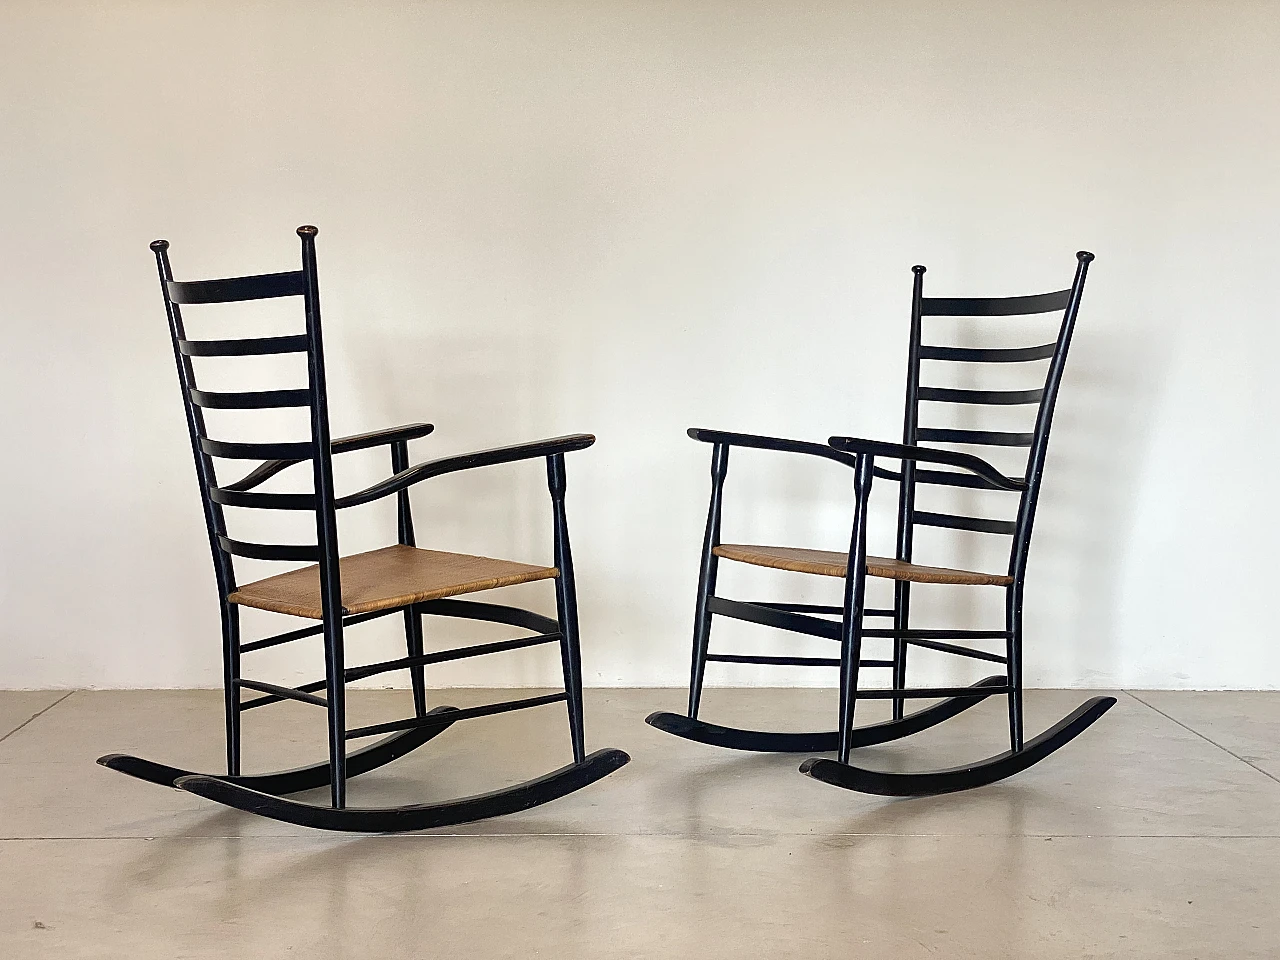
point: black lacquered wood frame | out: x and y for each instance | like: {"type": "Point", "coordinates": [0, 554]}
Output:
{"type": "Point", "coordinates": [908, 464]}
{"type": "Point", "coordinates": [329, 692]}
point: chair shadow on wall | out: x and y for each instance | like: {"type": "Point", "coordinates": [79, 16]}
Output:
{"type": "Point", "coordinates": [474, 389]}
{"type": "Point", "coordinates": [1111, 387]}
{"type": "Point", "coordinates": [1101, 428]}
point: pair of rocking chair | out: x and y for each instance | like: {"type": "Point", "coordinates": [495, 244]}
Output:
{"type": "Point", "coordinates": [340, 592]}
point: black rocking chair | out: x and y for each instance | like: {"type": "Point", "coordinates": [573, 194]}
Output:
{"type": "Point", "coordinates": [969, 471]}
{"type": "Point", "coordinates": [343, 591]}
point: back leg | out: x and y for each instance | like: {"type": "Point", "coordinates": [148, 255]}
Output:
{"type": "Point", "coordinates": [901, 621]}
{"type": "Point", "coordinates": [707, 577]}
{"type": "Point", "coordinates": [231, 684]}
{"type": "Point", "coordinates": [417, 674]}
{"type": "Point", "coordinates": [1013, 653]}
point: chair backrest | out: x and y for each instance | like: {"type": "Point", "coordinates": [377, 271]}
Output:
{"type": "Point", "coordinates": [303, 284]}
{"type": "Point", "coordinates": [1067, 303]}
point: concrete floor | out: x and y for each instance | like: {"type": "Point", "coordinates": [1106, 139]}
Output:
{"type": "Point", "coordinates": [1156, 834]}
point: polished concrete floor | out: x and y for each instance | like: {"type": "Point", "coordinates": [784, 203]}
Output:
{"type": "Point", "coordinates": [1156, 834]}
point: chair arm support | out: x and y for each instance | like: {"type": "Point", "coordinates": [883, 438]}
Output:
{"type": "Point", "coordinates": [466, 461]}
{"type": "Point", "coordinates": [360, 441]}
{"type": "Point", "coordinates": [898, 451]}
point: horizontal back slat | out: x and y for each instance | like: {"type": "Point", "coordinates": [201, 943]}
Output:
{"type": "Point", "coordinates": [251, 400]}
{"type": "Point", "coordinates": [988, 355]}
{"type": "Point", "coordinates": [953, 522]}
{"type": "Point", "coordinates": [233, 289]}
{"type": "Point", "coordinates": [990, 438]}
{"type": "Point", "coordinates": [257, 451]}
{"type": "Point", "coordinates": [248, 347]}
{"type": "Point", "coordinates": [262, 501]}
{"type": "Point", "coordinates": [994, 306]}
{"type": "Point", "coordinates": [992, 397]}
{"type": "Point", "coordinates": [269, 551]}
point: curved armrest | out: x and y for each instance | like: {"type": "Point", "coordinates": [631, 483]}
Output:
{"type": "Point", "coordinates": [379, 438]}
{"type": "Point", "coordinates": [360, 441]}
{"type": "Point", "coordinates": [898, 451]}
{"type": "Point", "coordinates": [771, 443]}
{"type": "Point", "coordinates": [466, 461]}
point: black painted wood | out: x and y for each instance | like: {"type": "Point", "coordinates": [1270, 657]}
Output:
{"type": "Point", "coordinates": [329, 693]}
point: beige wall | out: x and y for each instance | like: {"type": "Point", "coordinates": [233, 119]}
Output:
{"type": "Point", "coordinates": [630, 218]}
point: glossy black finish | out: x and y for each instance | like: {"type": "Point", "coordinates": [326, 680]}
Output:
{"type": "Point", "coordinates": [912, 454]}
{"type": "Point", "coordinates": [566, 605]}
{"type": "Point", "coordinates": [467, 461]}
{"type": "Point", "coordinates": [300, 778]}
{"type": "Point", "coordinates": [997, 306]}
{"type": "Point", "coordinates": [466, 713]}
{"type": "Point", "coordinates": [234, 289]}
{"type": "Point", "coordinates": [762, 741]}
{"type": "Point", "coordinates": [979, 773]}
{"type": "Point", "coordinates": [707, 575]}
{"type": "Point", "coordinates": [867, 457]}
{"type": "Point", "coordinates": [329, 693]}
{"type": "Point", "coordinates": [423, 816]}
{"type": "Point", "coordinates": [855, 593]}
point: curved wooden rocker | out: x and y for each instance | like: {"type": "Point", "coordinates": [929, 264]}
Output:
{"type": "Point", "coordinates": [341, 592]}
{"type": "Point", "coordinates": [916, 464]}
{"type": "Point", "coordinates": [765, 741]}
{"type": "Point", "coordinates": [979, 773]}
{"type": "Point", "coordinates": [418, 816]}
{"type": "Point", "coordinates": [299, 778]}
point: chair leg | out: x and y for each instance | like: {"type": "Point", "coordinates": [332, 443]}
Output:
{"type": "Point", "coordinates": [901, 621]}
{"type": "Point", "coordinates": [418, 674]}
{"type": "Point", "coordinates": [707, 578]}
{"type": "Point", "coordinates": [702, 628]}
{"type": "Point", "coordinates": [567, 608]}
{"type": "Point", "coordinates": [1013, 653]}
{"type": "Point", "coordinates": [855, 589]}
{"type": "Point", "coordinates": [231, 684]}
{"type": "Point", "coordinates": [336, 689]}
{"type": "Point", "coordinates": [571, 662]}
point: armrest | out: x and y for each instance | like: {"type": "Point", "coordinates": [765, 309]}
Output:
{"type": "Point", "coordinates": [771, 443]}
{"type": "Point", "coordinates": [898, 451]}
{"type": "Point", "coordinates": [378, 438]}
{"type": "Point", "coordinates": [466, 461]}
{"type": "Point", "coordinates": [360, 441]}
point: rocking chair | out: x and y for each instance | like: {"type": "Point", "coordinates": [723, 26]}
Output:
{"type": "Point", "coordinates": [855, 566]}
{"type": "Point", "coordinates": [340, 592]}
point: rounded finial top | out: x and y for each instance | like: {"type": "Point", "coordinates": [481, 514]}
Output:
{"type": "Point", "coordinates": [307, 231]}
{"type": "Point", "coordinates": [159, 245]}
{"type": "Point", "coordinates": [917, 269]}
{"type": "Point", "coordinates": [1084, 256]}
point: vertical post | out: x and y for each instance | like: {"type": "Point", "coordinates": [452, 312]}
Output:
{"type": "Point", "coordinates": [707, 577]}
{"type": "Point", "coordinates": [326, 530]}
{"type": "Point", "coordinates": [412, 618]}
{"type": "Point", "coordinates": [855, 588]}
{"type": "Point", "coordinates": [1031, 496]}
{"type": "Point", "coordinates": [404, 509]}
{"type": "Point", "coordinates": [907, 494]}
{"type": "Point", "coordinates": [1013, 655]}
{"type": "Point", "coordinates": [231, 683]}
{"type": "Point", "coordinates": [567, 606]}
{"type": "Point", "coordinates": [214, 520]}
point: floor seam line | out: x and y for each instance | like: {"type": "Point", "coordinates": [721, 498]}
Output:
{"type": "Point", "coordinates": [36, 716]}
{"type": "Point", "coordinates": [664, 836]}
{"type": "Point", "coordinates": [1206, 739]}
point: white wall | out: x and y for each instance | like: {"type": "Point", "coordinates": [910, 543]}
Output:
{"type": "Point", "coordinates": [629, 218]}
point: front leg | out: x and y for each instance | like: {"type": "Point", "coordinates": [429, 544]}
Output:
{"type": "Point", "coordinates": [855, 589]}
{"type": "Point", "coordinates": [567, 607]}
